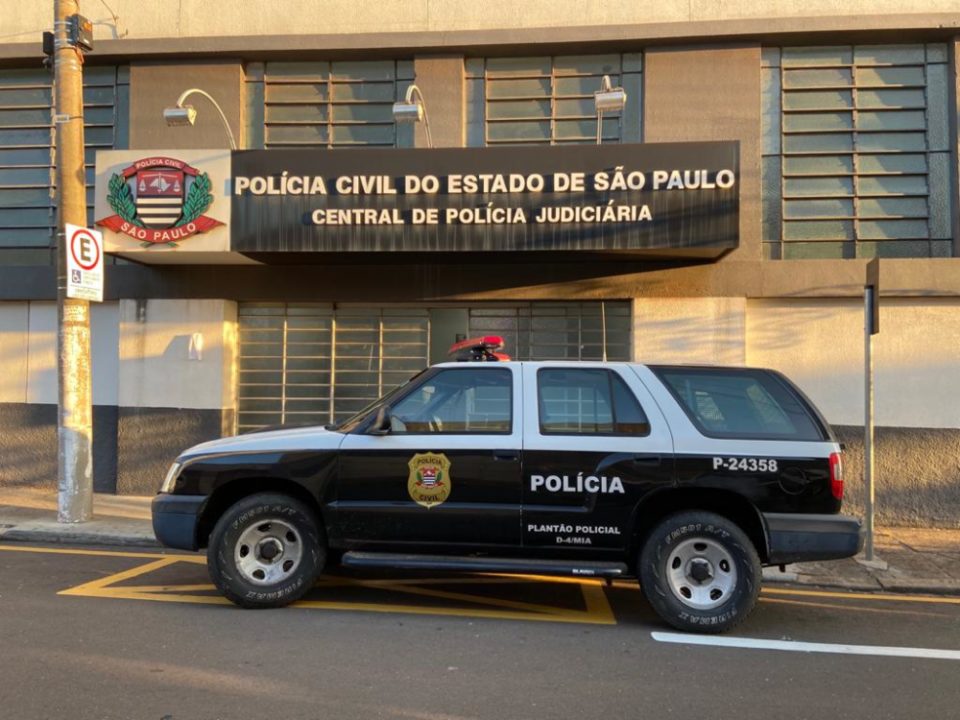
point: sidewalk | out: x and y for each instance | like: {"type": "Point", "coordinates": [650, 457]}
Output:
{"type": "Point", "coordinates": [30, 515]}
{"type": "Point", "coordinates": [911, 560]}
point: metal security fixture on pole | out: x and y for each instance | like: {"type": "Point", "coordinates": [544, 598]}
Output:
{"type": "Point", "coordinates": [871, 326]}
{"type": "Point", "coordinates": [607, 99]}
{"type": "Point", "coordinates": [182, 115]}
{"type": "Point", "coordinates": [71, 33]}
{"type": "Point", "coordinates": [413, 110]}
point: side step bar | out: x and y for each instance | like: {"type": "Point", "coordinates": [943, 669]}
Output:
{"type": "Point", "coordinates": [469, 563]}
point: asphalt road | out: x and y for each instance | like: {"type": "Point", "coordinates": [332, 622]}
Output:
{"type": "Point", "coordinates": [141, 635]}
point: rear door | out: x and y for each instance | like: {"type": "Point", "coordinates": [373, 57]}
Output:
{"type": "Point", "coordinates": [595, 443]}
{"type": "Point", "coordinates": [748, 431]}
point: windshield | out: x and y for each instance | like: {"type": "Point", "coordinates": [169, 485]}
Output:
{"type": "Point", "coordinates": [353, 421]}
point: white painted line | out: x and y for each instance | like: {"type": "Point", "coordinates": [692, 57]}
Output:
{"type": "Point", "coordinates": [808, 647]}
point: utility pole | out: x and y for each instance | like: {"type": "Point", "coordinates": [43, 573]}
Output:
{"type": "Point", "coordinates": [74, 411]}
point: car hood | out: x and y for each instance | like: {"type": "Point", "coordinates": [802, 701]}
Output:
{"type": "Point", "coordinates": [314, 437]}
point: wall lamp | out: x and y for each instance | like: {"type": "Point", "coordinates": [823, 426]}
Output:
{"type": "Point", "coordinates": [413, 110]}
{"type": "Point", "coordinates": [607, 99]}
{"type": "Point", "coordinates": [181, 115]}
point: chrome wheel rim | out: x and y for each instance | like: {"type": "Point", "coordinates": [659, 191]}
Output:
{"type": "Point", "coordinates": [268, 552]}
{"type": "Point", "coordinates": [701, 573]}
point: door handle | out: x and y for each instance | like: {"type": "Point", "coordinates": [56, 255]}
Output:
{"type": "Point", "coordinates": [646, 460]}
{"type": "Point", "coordinates": [506, 455]}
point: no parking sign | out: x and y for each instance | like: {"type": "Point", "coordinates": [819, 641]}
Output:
{"type": "Point", "coordinates": [84, 263]}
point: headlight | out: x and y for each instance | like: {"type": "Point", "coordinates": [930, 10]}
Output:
{"type": "Point", "coordinates": [171, 478]}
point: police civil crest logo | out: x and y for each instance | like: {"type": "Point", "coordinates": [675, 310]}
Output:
{"type": "Point", "coordinates": [159, 200]}
{"type": "Point", "coordinates": [429, 482]}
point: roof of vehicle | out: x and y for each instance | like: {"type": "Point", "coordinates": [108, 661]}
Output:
{"type": "Point", "coordinates": [593, 363]}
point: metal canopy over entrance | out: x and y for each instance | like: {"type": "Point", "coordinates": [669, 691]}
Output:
{"type": "Point", "coordinates": [318, 363]}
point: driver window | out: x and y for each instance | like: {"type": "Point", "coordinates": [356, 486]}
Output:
{"type": "Point", "coordinates": [457, 401]}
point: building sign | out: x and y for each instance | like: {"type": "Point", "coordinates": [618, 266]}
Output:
{"type": "Point", "coordinates": [677, 196]}
{"type": "Point", "coordinates": [159, 200]}
{"type": "Point", "coordinates": [154, 205]}
{"type": "Point", "coordinates": [84, 263]}
{"type": "Point", "coordinates": [668, 200]}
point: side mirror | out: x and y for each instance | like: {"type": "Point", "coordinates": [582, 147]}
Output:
{"type": "Point", "coordinates": [381, 423]}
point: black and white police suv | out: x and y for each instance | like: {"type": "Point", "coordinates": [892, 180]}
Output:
{"type": "Point", "coordinates": [688, 478]}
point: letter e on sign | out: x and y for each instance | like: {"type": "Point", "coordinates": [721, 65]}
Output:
{"type": "Point", "coordinates": [84, 263]}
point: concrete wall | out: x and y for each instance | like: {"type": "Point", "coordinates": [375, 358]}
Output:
{"type": "Point", "coordinates": [28, 352]}
{"type": "Point", "coordinates": [202, 18]}
{"type": "Point", "coordinates": [155, 86]}
{"type": "Point", "coordinates": [150, 400]}
{"type": "Point", "coordinates": [169, 401]}
{"type": "Point", "coordinates": [441, 79]}
{"type": "Point", "coordinates": [689, 330]}
{"type": "Point", "coordinates": [28, 394]}
{"type": "Point", "coordinates": [819, 344]}
{"type": "Point", "coordinates": [156, 369]}
{"type": "Point", "coordinates": [679, 83]}
{"type": "Point", "coordinates": [917, 475]}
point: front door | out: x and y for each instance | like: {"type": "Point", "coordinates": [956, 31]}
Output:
{"type": "Point", "coordinates": [595, 444]}
{"type": "Point", "coordinates": [446, 476]}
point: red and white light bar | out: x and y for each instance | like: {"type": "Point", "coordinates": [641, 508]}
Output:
{"type": "Point", "coordinates": [479, 349]}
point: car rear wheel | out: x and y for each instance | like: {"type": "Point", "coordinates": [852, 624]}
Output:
{"type": "Point", "coordinates": [700, 572]}
{"type": "Point", "coordinates": [266, 551]}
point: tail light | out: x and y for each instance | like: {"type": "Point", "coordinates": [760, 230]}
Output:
{"type": "Point", "coordinates": [836, 475]}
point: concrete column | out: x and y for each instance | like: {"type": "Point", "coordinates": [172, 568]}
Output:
{"type": "Point", "coordinates": [171, 396]}
{"type": "Point", "coordinates": [440, 79]}
{"type": "Point", "coordinates": [155, 86]}
{"type": "Point", "coordinates": [711, 94]}
{"type": "Point", "coordinates": [705, 330]}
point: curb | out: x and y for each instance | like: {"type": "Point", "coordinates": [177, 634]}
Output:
{"type": "Point", "coordinates": [879, 588]}
{"type": "Point", "coordinates": [61, 535]}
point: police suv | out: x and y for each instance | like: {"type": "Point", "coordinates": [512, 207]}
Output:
{"type": "Point", "coordinates": [688, 478]}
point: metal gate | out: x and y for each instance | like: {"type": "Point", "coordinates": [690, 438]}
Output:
{"type": "Point", "coordinates": [308, 364]}
{"type": "Point", "coordinates": [313, 364]}
{"type": "Point", "coordinates": [558, 331]}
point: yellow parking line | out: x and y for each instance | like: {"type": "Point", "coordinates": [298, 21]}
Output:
{"type": "Point", "coordinates": [598, 610]}
{"type": "Point", "coordinates": [480, 600]}
{"type": "Point", "coordinates": [199, 587]}
{"type": "Point", "coordinates": [575, 616]}
{"type": "Point", "coordinates": [885, 597]}
{"type": "Point", "coordinates": [123, 594]}
{"type": "Point", "coordinates": [92, 553]}
{"type": "Point", "coordinates": [102, 584]}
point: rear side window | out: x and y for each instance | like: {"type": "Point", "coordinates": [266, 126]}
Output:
{"type": "Point", "coordinates": [588, 402]}
{"type": "Point", "coordinates": [733, 403]}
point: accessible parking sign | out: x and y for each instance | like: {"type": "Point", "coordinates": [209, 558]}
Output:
{"type": "Point", "coordinates": [84, 263]}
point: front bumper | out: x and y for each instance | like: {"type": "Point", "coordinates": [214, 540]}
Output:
{"type": "Point", "coordinates": [175, 519]}
{"type": "Point", "coordinates": [806, 538]}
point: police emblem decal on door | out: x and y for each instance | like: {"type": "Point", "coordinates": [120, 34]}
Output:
{"type": "Point", "coordinates": [429, 482]}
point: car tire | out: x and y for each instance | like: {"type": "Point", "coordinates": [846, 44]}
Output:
{"type": "Point", "coordinates": [266, 551]}
{"type": "Point", "coordinates": [700, 572]}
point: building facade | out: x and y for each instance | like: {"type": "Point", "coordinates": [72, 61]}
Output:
{"type": "Point", "coordinates": [847, 127]}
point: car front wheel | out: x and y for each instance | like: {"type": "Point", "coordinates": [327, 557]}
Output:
{"type": "Point", "coordinates": [700, 572]}
{"type": "Point", "coordinates": [266, 551]}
